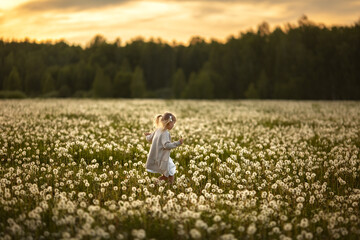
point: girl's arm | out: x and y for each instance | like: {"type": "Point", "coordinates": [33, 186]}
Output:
{"type": "Point", "coordinates": [149, 136]}
{"type": "Point", "coordinates": [166, 142]}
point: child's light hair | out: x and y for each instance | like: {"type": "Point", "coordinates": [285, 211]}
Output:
{"type": "Point", "coordinates": [164, 119]}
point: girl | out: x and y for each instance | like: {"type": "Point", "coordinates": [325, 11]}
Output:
{"type": "Point", "coordinates": [159, 160]}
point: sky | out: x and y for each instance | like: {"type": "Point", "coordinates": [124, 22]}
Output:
{"type": "Point", "coordinates": [78, 21]}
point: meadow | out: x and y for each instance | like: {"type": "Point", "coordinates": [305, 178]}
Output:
{"type": "Point", "coordinates": [74, 169]}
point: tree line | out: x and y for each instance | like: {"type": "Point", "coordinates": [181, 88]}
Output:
{"type": "Point", "coordinates": [302, 61]}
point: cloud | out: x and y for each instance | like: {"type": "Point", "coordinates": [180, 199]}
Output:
{"type": "Point", "coordinates": [201, 9]}
{"type": "Point", "coordinates": [207, 5]}
{"type": "Point", "coordinates": [327, 6]}
{"type": "Point", "coordinates": [59, 5]}
{"type": "Point", "coordinates": [78, 21]}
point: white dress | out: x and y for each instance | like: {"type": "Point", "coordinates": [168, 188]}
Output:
{"type": "Point", "coordinates": [159, 160]}
{"type": "Point", "coordinates": [172, 168]}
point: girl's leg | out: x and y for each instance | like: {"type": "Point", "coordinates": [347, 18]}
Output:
{"type": "Point", "coordinates": [163, 177]}
{"type": "Point", "coordinates": [171, 179]}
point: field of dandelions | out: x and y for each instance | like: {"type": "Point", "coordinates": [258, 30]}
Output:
{"type": "Point", "coordinates": [74, 169]}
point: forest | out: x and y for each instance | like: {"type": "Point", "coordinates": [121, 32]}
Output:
{"type": "Point", "coordinates": [306, 60]}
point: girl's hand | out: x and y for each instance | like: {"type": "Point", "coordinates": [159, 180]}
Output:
{"type": "Point", "coordinates": [146, 134]}
{"type": "Point", "coordinates": [181, 140]}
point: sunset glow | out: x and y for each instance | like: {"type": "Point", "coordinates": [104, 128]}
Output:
{"type": "Point", "coordinates": [79, 21]}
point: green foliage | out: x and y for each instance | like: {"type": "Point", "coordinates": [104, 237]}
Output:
{"type": "Point", "coordinates": [48, 84]}
{"type": "Point", "coordinates": [252, 92]}
{"type": "Point", "coordinates": [82, 94]}
{"type": "Point", "coordinates": [178, 83]}
{"type": "Point", "coordinates": [101, 85]}
{"type": "Point", "coordinates": [12, 94]}
{"type": "Point", "coordinates": [13, 82]}
{"type": "Point", "coordinates": [64, 91]}
{"type": "Point", "coordinates": [138, 85]}
{"type": "Point", "coordinates": [307, 61]}
{"type": "Point", "coordinates": [121, 84]}
{"type": "Point", "coordinates": [52, 94]}
{"type": "Point", "coordinates": [262, 85]}
{"type": "Point", "coordinates": [200, 86]}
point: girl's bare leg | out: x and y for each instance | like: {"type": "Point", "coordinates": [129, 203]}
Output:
{"type": "Point", "coordinates": [171, 179]}
{"type": "Point", "coordinates": [163, 178]}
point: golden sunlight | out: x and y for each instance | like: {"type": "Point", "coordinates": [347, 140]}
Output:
{"type": "Point", "coordinates": [6, 5]}
{"type": "Point", "coordinates": [78, 21]}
